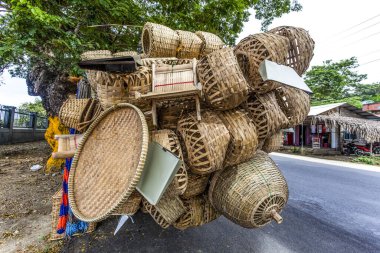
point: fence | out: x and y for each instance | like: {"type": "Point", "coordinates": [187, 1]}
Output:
{"type": "Point", "coordinates": [20, 126]}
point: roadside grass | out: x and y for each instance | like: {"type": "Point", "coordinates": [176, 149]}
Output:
{"type": "Point", "coordinates": [371, 160]}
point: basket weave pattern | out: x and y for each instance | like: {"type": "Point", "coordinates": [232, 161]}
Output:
{"type": "Point", "coordinates": [131, 206]}
{"type": "Point", "coordinates": [171, 111]}
{"type": "Point", "coordinates": [159, 41]}
{"type": "Point", "coordinates": [96, 54]}
{"type": "Point", "coordinates": [72, 111]}
{"type": "Point", "coordinates": [140, 81]}
{"type": "Point", "coordinates": [210, 42]}
{"type": "Point", "coordinates": [273, 143]}
{"type": "Point", "coordinates": [110, 88]}
{"type": "Point", "coordinates": [196, 185]}
{"type": "Point", "coordinates": [189, 45]}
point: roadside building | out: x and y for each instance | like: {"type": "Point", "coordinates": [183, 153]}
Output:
{"type": "Point", "coordinates": [372, 108]}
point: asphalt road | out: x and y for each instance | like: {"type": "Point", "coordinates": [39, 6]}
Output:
{"type": "Point", "coordinates": [331, 209]}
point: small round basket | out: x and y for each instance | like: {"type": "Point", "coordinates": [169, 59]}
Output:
{"type": "Point", "coordinates": [206, 142]}
{"type": "Point", "coordinates": [254, 49]}
{"type": "Point", "coordinates": [196, 185]}
{"type": "Point", "coordinates": [301, 47]}
{"type": "Point", "coordinates": [131, 206]}
{"type": "Point", "coordinates": [210, 42]}
{"type": "Point", "coordinates": [189, 45]}
{"type": "Point", "coordinates": [273, 143]}
{"type": "Point", "coordinates": [244, 140]}
{"type": "Point", "coordinates": [73, 111]}
{"type": "Point", "coordinates": [159, 41]}
{"type": "Point", "coordinates": [223, 83]}
{"type": "Point", "coordinates": [125, 53]}
{"type": "Point", "coordinates": [111, 89]}
{"type": "Point", "coordinates": [250, 194]}
{"type": "Point", "coordinates": [96, 54]}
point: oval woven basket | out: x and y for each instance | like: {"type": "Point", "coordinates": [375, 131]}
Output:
{"type": "Point", "coordinates": [189, 45]}
{"type": "Point", "coordinates": [252, 50]}
{"type": "Point", "coordinates": [273, 143]}
{"type": "Point", "coordinates": [73, 111]}
{"type": "Point", "coordinates": [223, 83]}
{"type": "Point", "coordinates": [205, 141]}
{"type": "Point", "coordinates": [159, 41]}
{"type": "Point", "coordinates": [111, 88]}
{"type": "Point", "coordinates": [301, 50]}
{"type": "Point", "coordinates": [244, 140]}
{"type": "Point", "coordinates": [196, 185]}
{"type": "Point", "coordinates": [130, 206]}
{"type": "Point", "coordinates": [294, 103]}
{"type": "Point", "coordinates": [266, 114]}
{"type": "Point", "coordinates": [95, 54]}
{"type": "Point", "coordinates": [250, 194]}
{"type": "Point", "coordinates": [210, 42]}
{"type": "Point", "coordinates": [169, 140]}
{"type": "Point", "coordinates": [108, 163]}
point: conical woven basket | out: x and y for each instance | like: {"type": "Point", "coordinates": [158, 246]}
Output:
{"type": "Point", "coordinates": [250, 194]}
{"type": "Point", "coordinates": [244, 140]}
{"type": "Point", "coordinates": [96, 54]}
{"type": "Point", "coordinates": [206, 142]}
{"type": "Point", "coordinates": [196, 185]}
{"type": "Point", "coordinates": [159, 41]}
{"type": "Point", "coordinates": [130, 206]}
{"type": "Point", "coordinates": [189, 45]}
{"type": "Point", "coordinates": [273, 143]}
{"type": "Point", "coordinates": [73, 111]}
{"type": "Point", "coordinates": [210, 42]}
{"type": "Point", "coordinates": [301, 47]}
{"type": "Point", "coordinates": [169, 140]}
{"type": "Point", "coordinates": [223, 83]}
{"type": "Point", "coordinates": [111, 89]}
{"type": "Point", "coordinates": [254, 49]}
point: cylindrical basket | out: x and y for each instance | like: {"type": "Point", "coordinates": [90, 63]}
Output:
{"type": "Point", "coordinates": [72, 112]}
{"type": "Point", "coordinates": [110, 88]}
{"type": "Point", "coordinates": [206, 142]}
{"type": "Point", "coordinates": [189, 45]}
{"type": "Point", "coordinates": [130, 206]}
{"type": "Point", "coordinates": [210, 42]}
{"type": "Point", "coordinates": [159, 41]}
{"type": "Point", "coordinates": [273, 143]}
{"type": "Point", "coordinates": [250, 194]}
{"type": "Point", "coordinates": [196, 185]}
{"type": "Point", "coordinates": [223, 83]}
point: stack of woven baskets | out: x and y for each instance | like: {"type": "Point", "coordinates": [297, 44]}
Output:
{"type": "Point", "coordinates": [225, 170]}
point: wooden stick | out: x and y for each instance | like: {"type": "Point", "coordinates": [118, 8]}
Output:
{"type": "Point", "coordinates": [63, 154]}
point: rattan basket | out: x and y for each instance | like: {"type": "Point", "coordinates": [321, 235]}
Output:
{"type": "Point", "coordinates": [244, 140]}
{"type": "Point", "coordinates": [159, 41]}
{"type": "Point", "coordinates": [250, 194]}
{"type": "Point", "coordinates": [206, 142]}
{"type": "Point", "coordinates": [223, 83]}
{"type": "Point", "coordinates": [95, 54]}
{"type": "Point", "coordinates": [131, 206]}
{"type": "Point", "coordinates": [273, 143]}
{"type": "Point", "coordinates": [169, 140]}
{"type": "Point", "coordinates": [125, 53]}
{"type": "Point", "coordinates": [73, 111]}
{"type": "Point", "coordinates": [295, 104]}
{"type": "Point", "coordinates": [196, 185]}
{"type": "Point", "coordinates": [171, 110]}
{"type": "Point", "coordinates": [189, 45]}
{"type": "Point", "coordinates": [266, 114]}
{"type": "Point", "coordinates": [254, 49]}
{"type": "Point", "coordinates": [301, 47]}
{"type": "Point", "coordinates": [140, 81]}
{"type": "Point", "coordinates": [210, 42]}
{"type": "Point", "coordinates": [111, 89]}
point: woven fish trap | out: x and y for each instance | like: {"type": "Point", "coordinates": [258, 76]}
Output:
{"type": "Point", "coordinates": [301, 50]}
{"type": "Point", "coordinates": [206, 142]}
{"type": "Point", "coordinates": [72, 112]}
{"type": "Point", "coordinates": [273, 143]}
{"type": "Point", "coordinates": [159, 41]}
{"type": "Point", "coordinates": [210, 42]}
{"type": "Point", "coordinates": [254, 49]}
{"type": "Point", "coordinates": [196, 185]}
{"type": "Point", "coordinates": [244, 140]}
{"type": "Point", "coordinates": [266, 114]}
{"type": "Point", "coordinates": [169, 140]}
{"type": "Point", "coordinates": [223, 83]}
{"type": "Point", "coordinates": [295, 104]}
{"type": "Point", "coordinates": [171, 110]}
{"type": "Point", "coordinates": [110, 88]}
{"type": "Point", "coordinates": [189, 45]}
{"type": "Point", "coordinates": [140, 81]}
{"type": "Point", "coordinates": [125, 53]}
{"type": "Point", "coordinates": [130, 206]}
{"type": "Point", "coordinates": [250, 194]}
{"type": "Point", "coordinates": [167, 210]}
{"type": "Point", "coordinates": [193, 216]}
{"type": "Point", "coordinates": [95, 54]}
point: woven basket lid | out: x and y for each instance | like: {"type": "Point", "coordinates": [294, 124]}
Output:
{"type": "Point", "coordinates": [108, 163]}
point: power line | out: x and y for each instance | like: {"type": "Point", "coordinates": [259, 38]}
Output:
{"type": "Point", "coordinates": [364, 38]}
{"type": "Point", "coordinates": [375, 51]}
{"type": "Point", "coordinates": [368, 62]}
{"type": "Point", "coordinates": [363, 29]}
{"type": "Point", "coordinates": [363, 22]}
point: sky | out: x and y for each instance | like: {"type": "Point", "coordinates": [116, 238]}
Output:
{"type": "Point", "coordinates": [340, 28]}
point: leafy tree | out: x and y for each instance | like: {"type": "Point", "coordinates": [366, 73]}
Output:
{"type": "Point", "coordinates": [35, 107]}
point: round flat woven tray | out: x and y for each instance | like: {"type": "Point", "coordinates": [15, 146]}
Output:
{"type": "Point", "coordinates": [108, 163]}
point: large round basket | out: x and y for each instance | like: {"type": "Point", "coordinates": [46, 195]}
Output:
{"type": "Point", "coordinates": [266, 114]}
{"type": "Point", "coordinates": [206, 142]}
{"type": "Point", "coordinates": [111, 88]}
{"type": "Point", "coordinates": [223, 83]}
{"type": "Point", "coordinates": [159, 41]}
{"type": "Point", "coordinates": [301, 47]}
{"type": "Point", "coordinates": [210, 42]}
{"type": "Point", "coordinates": [295, 104]}
{"type": "Point", "coordinates": [196, 185]}
{"type": "Point", "coordinates": [254, 49]}
{"type": "Point", "coordinates": [189, 45]}
{"type": "Point", "coordinates": [130, 206]}
{"type": "Point", "coordinates": [244, 140]}
{"type": "Point", "coordinates": [250, 194]}
{"type": "Point", "coordinates": [273, 143]}
{"type": "Point", "coordinates": [108, 163]}
{"type": "Point", "coordinates": [169, 140]}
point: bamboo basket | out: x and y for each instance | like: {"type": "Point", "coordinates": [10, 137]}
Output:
{"type": "Point", "coordinates": [266, 114]}
{"type": "Point", "coordinates": [196, 185]}
{"type": "Point", "coordinates": [169, 140]}
{"type": "Point", "coordinates": [273, 143]}
{"type": "Point", "coordinates": [301, 50]}
{"type": "Point", "coordinates": [125, 53]}
{"type": "Point", "coordinates": [223, 83]}
{"type": "Point", "coordinates": [94, 110]}
{"type": "Point", "coordinates": [295, 104]}
{"type": "Point", "coordinates": [72, 112]}
{"type": "Point", "coordinates": [206, 142]}
{"type": "Point", "coordinates": [110, 88]}
{"type": "Point", "coordinates": [244, 140]}
{"type": "Point", "coordinates": [210, 42]}
{"type": "Point", "coordinates": [159, 41]}
{"type": "Point", "coordinates": [91, 77]}
{"type": "Point", "coordinates": [189, 45]}
{"type": "Point", "coordinates": [170, 111]}
{"type": "Point", "coordinates": [140, 81]}
{"type": "Point", "coordinates": [131, 206]}
{"type": "Point", "coordinates": [250, 194]}
{"type": "Point", "coordinates": [254, 49]}
{"type": "Point", "coordinates": [96, 54]}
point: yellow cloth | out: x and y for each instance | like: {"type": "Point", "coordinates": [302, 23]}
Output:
{"type": "Point", "coordinates": [55, 128]}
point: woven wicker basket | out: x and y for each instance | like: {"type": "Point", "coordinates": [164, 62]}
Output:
{"type": "Point", "coordinates": [159, 41]}
{"type": "Point", "coordinates": [111, 89]}
{"type": "Point", "coordinates": [140, 81]}
{"type": "Point", "coordinates": [131, 206]}
{"type": "Point", "coordinates": [169, 140]}
{"type": "Point", "coordinates": [266, 114]}
{"type": "Point", "coordinates": [252, 50]}
{"type": "Point", "coordinates": [91, 77]}
{"type": "Point", "coordinates": [250, 194]}
{"type": "Point", "coordinates": [125, 53]}
{"type": "Point", "coordinates": [210, 42]}
{"type": "Point", "coordinates": [96, 54]}
{"type": "Point", "coordinates": [223, 83]}
{"type": "Point", "coordinates": [73, 111]}
{"type": "Point", "coordinates": [170, 111]}
{"type": "Point", "coordinates": [301, 47]}
{"type": "Point", "coordinates": [295, 104]}
{"type": "Point", "coordinates": [189, 45]}
{"type": "Point", "coordinates": [206, 142]}
{"type": "Point", "coordinates": [196, 185]}
{"type": "Point", "coordinates": [273, 143]}
{"type": "Point", "coordinates": [244, 140]}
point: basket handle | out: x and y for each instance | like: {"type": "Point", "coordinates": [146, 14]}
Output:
{"type": "Point", "coordinates": [276, 216]}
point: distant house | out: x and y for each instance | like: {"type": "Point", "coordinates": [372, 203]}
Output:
{"type": "Point", "coordinates": [372, 108]}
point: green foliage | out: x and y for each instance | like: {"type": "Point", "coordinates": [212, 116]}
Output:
{"type": "Point", "coordinates": [35, 106]}
{"type": "Point", "coordinates": [372, 160]}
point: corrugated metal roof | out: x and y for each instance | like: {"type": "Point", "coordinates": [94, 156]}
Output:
{"type": "Point", "coordinates": [317, 110]}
